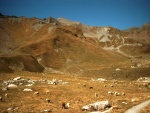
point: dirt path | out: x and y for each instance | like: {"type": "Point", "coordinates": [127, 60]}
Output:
{"type": "Point", "coordinates": [139, 107]}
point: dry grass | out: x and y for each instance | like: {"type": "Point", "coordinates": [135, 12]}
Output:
{"type": "Point", "coordinates": [77, 92]}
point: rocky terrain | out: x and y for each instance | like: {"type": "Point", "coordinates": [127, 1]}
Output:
{"type": "Point", "coordinates": [94, 60]}
{"type": "Point", "coordinates": [36, 92]}
{"type": "Point", "coordinates": [43, 45]}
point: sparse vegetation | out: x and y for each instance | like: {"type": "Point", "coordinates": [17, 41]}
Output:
{"type": "Point", "coordinates": [65, 64]}
{"type": "Point", "coordinates": [75, 92]}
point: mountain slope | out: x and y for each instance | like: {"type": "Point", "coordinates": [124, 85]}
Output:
{"type": "Point", "coordinates": [39, 45]}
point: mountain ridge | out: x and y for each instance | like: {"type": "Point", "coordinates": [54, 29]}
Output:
{"type": "Point", "coordinates": [64, 45]}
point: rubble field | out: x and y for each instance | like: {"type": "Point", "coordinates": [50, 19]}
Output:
{"type": "Point", "coordinates": [42, 92]}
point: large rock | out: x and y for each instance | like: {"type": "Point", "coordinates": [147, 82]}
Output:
{"type": "Point", "coordinates": [12, 86]}
{"type": "Point", "coordinates": [101, 105]}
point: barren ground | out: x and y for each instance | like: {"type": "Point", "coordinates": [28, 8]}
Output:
{"type": "Point", "coordinates": [77, 91]}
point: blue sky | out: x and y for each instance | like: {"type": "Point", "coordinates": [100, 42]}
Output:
{"type": "Point", "coordinates": [120, 14]}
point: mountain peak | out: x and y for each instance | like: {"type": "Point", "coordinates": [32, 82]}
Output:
{"type": "Point", "coordinates": [67, 22]}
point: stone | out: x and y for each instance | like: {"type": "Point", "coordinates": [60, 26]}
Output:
{"type": "Point", "coordinates": [17, 78]}
{"type": "Point", "coordinates": [27, 89]}
{"type": "Point", "coordinates": [4, 89]}
{"type": "Point", "coordinates": [48, 100]}
{"type": "Point", "coordinates": [47, 110]}
{"type": "Point", "coordinates": [9, 109]}
{"type": "Point", "coordinates": [20, 84]}
{"type": "Point", "coordinates": [6, 95]}
{"type": "Point", "coordinates": [101, 105]}
{"type": "Point", "coordinates": [12, 86]}
{"type": "Point", "coordinates": [29, 85]}
{"type": "Point", "coordinates": [101, 80]}
{"type": "Point", "coordinates": [134, 99]}
{"type": "Point", "coordinates": [1, 98]}
{"type": "Point", "coordinates": [36, 93]}
{"type": "Point", "coordinates": [117, 69]}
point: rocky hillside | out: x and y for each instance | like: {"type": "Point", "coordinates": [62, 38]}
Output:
{"type": "Point", "coordinates": [43, 45]}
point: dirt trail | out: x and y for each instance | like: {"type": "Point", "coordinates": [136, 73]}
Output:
{"type": "Point", "coordinates": [139, 107]}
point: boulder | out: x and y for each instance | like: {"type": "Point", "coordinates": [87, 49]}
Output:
{"type": "Point", "coordinates": [27, 89]}
{"type": "Point", "coordinates": [17, 78]}
{"type": "Point", "coordinates": [101, 105]}
{"type": "Point", "coordinates": [12, 86]}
